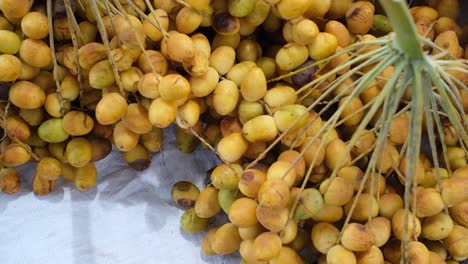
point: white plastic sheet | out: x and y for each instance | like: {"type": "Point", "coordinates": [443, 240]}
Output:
{"type": "Point", "coordinates": [128, 217]}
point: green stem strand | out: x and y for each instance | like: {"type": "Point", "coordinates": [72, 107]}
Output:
{"type": "Point", "coordinates": [406, 37]}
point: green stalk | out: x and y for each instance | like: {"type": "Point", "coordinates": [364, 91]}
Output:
{"type": "Point", "coordinates": [405, 31]}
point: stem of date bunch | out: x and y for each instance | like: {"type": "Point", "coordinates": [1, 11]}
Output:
{"type": "Point", "coordinates": [406, 37]}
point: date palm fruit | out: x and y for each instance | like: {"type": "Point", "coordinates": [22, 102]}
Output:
{"type": "Point", "coordinates": [206, 204]}
{"type": "Point", "coordinates": [324, 236]}
{"type": "Point", "coordinates": [48, 169]}
{"type": "Point", "coordinates": [226, 239]}
{"type": "Point", "coordinates": [185, 193]}
{"type": "Point", "coordinates": [9, 180]}
{"type": "Point", "coordinates": [191, 223]}
{"type": "Point", "coordinates": [137, 158]}
{"type": "Point", "coordinates": [52, 131]}
{"type": "Point", "coordinates": [85, 177]}
{"type": "Point", "coordinates": [356, 237]}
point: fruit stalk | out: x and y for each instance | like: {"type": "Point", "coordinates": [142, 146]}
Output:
{"type": "Point", "coordinates": [403, 25]}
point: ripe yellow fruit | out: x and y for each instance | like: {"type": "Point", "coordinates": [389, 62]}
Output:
{"type": "Point", "coordinates": [357, 237]}
{"type": "Point", "coordinates": [232, 147]}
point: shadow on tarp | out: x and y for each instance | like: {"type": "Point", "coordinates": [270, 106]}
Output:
{"type": "Point", "coordinates": [26, 175]}
{"type": "Point", "coordinates": [81, 231]}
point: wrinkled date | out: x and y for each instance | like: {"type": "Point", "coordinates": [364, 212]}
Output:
{"type": "Point", "coordinates": [305, 76]}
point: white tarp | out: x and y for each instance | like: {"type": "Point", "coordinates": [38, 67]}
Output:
{"type": "Point", "coordinates": [128, 217]}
